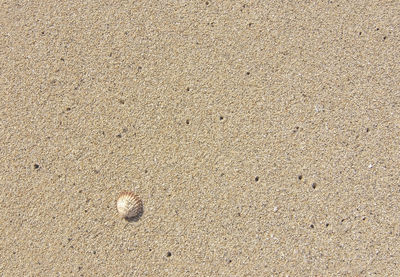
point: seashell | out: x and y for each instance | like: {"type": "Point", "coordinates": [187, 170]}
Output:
{"type": "Point", "coordinates": [129, 204]}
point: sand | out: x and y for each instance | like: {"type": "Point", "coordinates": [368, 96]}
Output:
{"type": "Point", "coordinates": [263, 138]}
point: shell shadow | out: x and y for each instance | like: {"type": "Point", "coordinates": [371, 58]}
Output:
{"type": "Point", "coordinates": [137, 217]}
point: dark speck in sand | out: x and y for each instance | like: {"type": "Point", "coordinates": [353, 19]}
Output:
{"type": "Point", "coordinates": [314, 185]}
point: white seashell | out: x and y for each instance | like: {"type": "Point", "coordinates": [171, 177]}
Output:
{"type": "Point", "coordinates": [129, 204]}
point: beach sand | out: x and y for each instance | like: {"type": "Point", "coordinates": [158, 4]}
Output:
{"type": "Point", "coordinates": [263, 138]}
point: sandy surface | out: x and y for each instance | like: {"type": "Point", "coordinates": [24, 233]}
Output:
{"type": "Point", "coordinates": [263, 138]}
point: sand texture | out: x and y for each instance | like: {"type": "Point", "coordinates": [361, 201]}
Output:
{"type": "Point", "coordinates": [263, 137]}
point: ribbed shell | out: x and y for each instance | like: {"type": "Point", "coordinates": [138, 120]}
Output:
{"type": "Point", "coordinates": [129, 204]}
